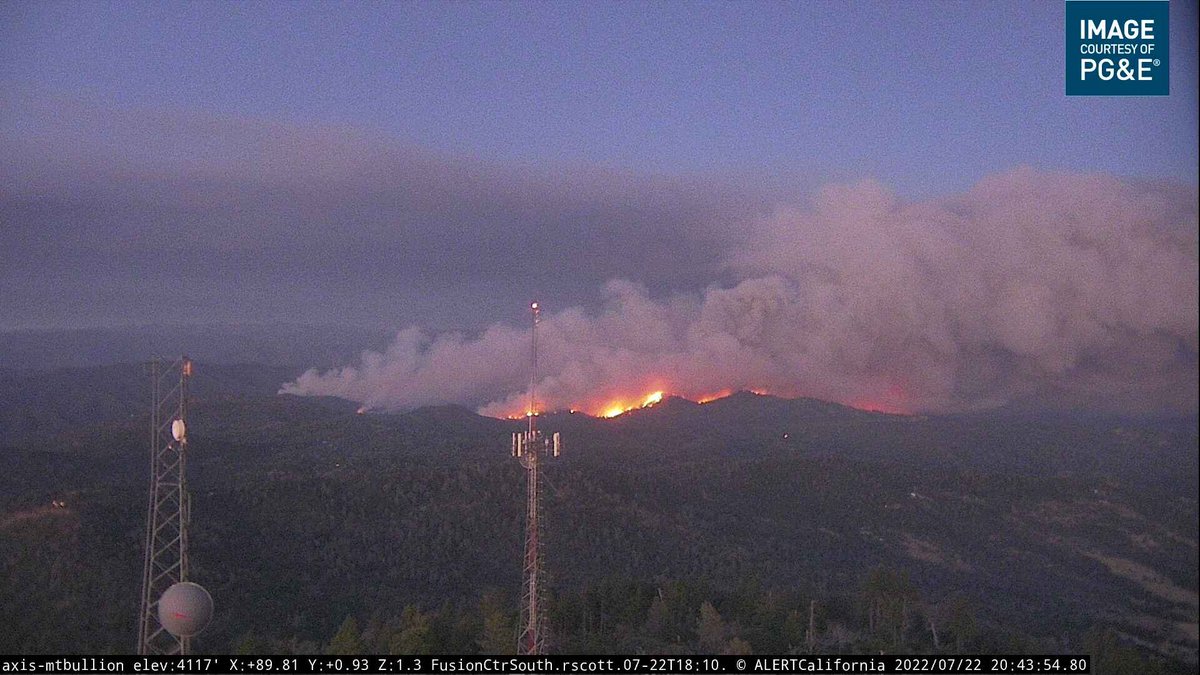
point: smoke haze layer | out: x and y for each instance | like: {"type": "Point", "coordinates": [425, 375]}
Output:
{"type": "Point", "coordinates": [1054, 289]}
{"type": "Point", "coordinates": [110, 216]}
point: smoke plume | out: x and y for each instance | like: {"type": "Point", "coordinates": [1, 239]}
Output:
{"type": "Point", "coordinates": [1050, 289]}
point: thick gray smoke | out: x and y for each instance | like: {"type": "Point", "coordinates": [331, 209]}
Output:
{"type": "Point", "coordinates": [1044, 289]}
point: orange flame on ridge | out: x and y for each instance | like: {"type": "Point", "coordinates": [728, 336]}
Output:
{"type": "Point", "coordinates": [709, 398]}
{"type": "Point", "coordinates": [890, 401]}
{"type": "Point", "coordinates": [620, 408]}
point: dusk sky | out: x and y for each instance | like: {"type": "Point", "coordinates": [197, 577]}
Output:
{"type": "Point", "coordinates": [435, 165]}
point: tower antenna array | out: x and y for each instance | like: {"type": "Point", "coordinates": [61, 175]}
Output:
{"type": "Point", "coordinates": [529, 446]}
{"type": "Point", "coordinates": [166, 561]}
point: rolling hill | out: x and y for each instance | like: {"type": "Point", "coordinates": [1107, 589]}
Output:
{"type": "Point", "coordinates": [1046, 531]}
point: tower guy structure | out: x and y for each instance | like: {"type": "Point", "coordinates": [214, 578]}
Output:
{"type": "Point", "coordinates": [530, 446]}
{"type": "Point", "coordinates": [166, 562]}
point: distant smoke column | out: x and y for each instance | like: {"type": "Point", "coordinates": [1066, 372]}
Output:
{"type": "Point", "coordinates": [166, 561]}
{"type": "Point", "coordinates": [529, 446]}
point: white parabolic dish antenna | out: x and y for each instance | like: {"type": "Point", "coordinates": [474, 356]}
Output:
{"type": "Point", "coordinates": [185, 609]}
{"type": "Point", "coordinates": [178, 430]}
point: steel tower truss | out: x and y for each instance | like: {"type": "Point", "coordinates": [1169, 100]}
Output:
{"type": "Point", "coordinates": [166, 559]}
{"type": "Point", "coordinates": [530, 446]}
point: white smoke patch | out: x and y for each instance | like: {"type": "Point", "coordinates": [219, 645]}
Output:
{"type": "Point", "coordinates": [1066, 290]}
{"type": "Point", "coordinates": [417, 369]}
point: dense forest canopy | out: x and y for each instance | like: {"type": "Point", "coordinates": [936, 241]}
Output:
{"type": "Point", "coordinates": [748, 524]}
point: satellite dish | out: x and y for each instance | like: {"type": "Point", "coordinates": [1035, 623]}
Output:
{"type": "Point", "coordinates": [179, 430]}
{"type": "Point", "coordinates": [185, 609]}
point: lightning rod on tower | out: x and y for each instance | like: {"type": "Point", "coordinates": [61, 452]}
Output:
{"type": "Point", "coordinates": [529, 446]}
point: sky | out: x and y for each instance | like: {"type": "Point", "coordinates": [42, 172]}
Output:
{"type": "Point", "coordinates": [431, 166]}
{"type": "Point", "coordinates": [926, 96]}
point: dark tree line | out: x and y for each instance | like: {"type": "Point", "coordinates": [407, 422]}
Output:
{"type": "Point", "coordinates": [886, 613]}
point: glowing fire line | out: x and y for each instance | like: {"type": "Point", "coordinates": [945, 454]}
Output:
{"type": "Point", "coordinates": [618, 407]}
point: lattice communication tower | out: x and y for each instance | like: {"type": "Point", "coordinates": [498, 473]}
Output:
{"type": "Point", "coordinates": [166, 561]}
{"type": "Point", "coordinates": [530, 446]}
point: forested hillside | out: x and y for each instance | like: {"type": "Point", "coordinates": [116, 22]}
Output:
{"type": "Point", "coordinates": [751, 523]}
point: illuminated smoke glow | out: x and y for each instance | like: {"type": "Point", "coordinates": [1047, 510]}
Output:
{"type": "Point", "coordinates": [1068, 290]}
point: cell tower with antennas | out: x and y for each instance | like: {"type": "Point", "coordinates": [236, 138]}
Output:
{"type": "Point", "coordinates": [173, 610]}
{"type": "Point", "coordinates": [530, 446]}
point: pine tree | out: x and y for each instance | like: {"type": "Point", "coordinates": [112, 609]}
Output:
{"type": "Point", "coordinates": [413, 635]}
{"type": "Point", "coordinates": [347, 641]}
{"type": "Point", "coordinates": [711, 631]}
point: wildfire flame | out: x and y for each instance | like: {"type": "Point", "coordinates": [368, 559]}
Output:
{"type": "Point", "coordinates": [620, 408]}
{"type": "Point", "coordinates": [614, 410]}
{"type": "Point", "coordinates": [713, 397]}
{"type": "Point", "coordinates": [890, 402]}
